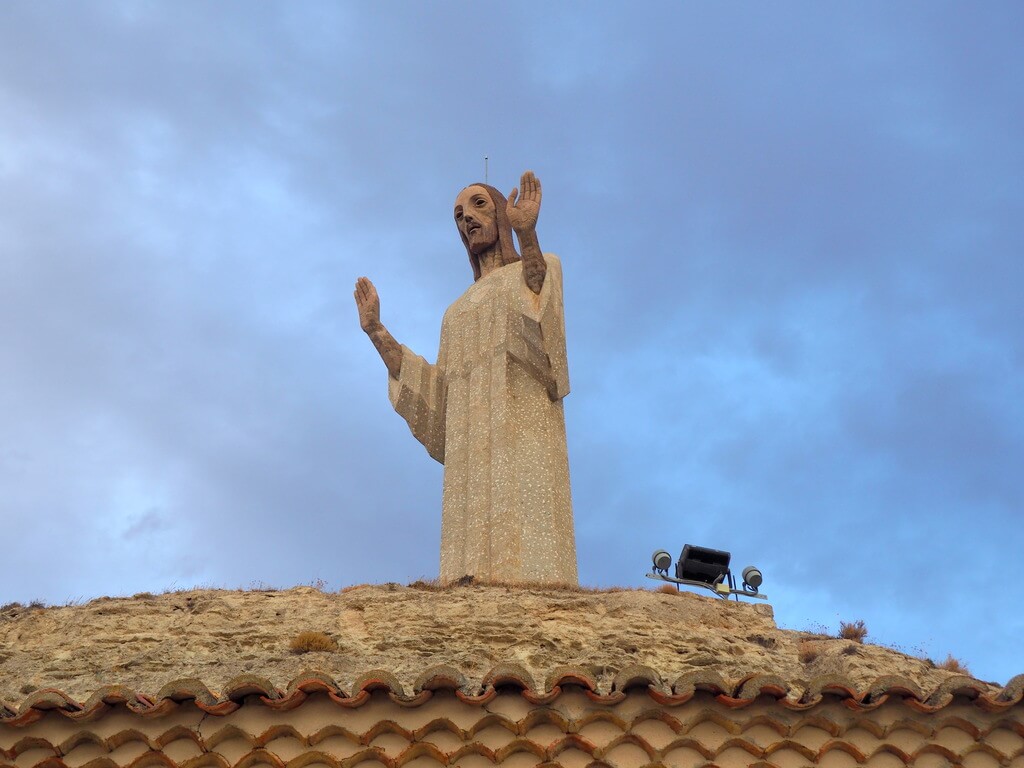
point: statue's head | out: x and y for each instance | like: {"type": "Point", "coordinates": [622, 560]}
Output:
{"type": "Point", "coordinates": [483, 224]}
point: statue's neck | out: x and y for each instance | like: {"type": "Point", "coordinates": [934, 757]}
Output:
{"type": "Point", "coordinates": [490, 260]}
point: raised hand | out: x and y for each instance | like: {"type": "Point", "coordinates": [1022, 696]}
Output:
{"type": "Point", "coordinates": [368, 304]}
{"type": "Point", "coordinates": [522, 215]}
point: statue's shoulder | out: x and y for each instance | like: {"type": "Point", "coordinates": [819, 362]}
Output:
{"type": "Point", "coordinates": [554, 265]}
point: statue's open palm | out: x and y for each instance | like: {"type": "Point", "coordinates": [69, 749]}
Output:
{"type": "Point", "coordinates": [522, 214]}
{"type": "Point", "coordinates": [368, 304]}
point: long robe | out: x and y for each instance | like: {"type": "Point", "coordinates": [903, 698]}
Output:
{"type": "Point", "coordinates": [490, 410]}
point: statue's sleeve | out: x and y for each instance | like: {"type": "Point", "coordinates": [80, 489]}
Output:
{"type": "Point", "coordinates": [418, 394]}
{"type": "Point", "coordinates": [541, 347]}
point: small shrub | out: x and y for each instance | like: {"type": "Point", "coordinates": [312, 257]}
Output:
{"type": "Point", "coordinates": [854, 630]}
{"type": "Point", "coordinates": [807, 652]}
{"type": "Point", "coordinates": [851, 650]}
{"type": "Point", "coordinates": [668, 589]}
{"type": "Point", "coordinates": [306, 642]}
{"type": "Point", "coordinates": [10, 606]}
{"type": "Point", "coordinates": [952, 664]}
{"type": "Point", "coordinates": [37, 604]}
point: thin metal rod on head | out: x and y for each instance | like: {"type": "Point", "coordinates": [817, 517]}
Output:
{"type": "Point", "coordinates": [485, 169]}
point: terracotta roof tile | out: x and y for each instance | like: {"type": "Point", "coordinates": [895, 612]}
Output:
{"type": "Point", "coordinates": [732, 694]}
{"type": "Point", "coordinates": [260, 747]}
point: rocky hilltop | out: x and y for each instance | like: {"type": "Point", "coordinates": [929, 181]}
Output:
{"type": "Point", "coordinates": [146, 641]}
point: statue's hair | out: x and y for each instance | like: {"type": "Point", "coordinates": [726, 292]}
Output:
{"type": "Point", "coordinates": [507, 253]}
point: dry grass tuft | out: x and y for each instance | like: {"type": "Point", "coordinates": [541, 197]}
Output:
{"type": "Point", "coordinates": [306, 642]}
{"type": "Point", "coordinates": [952, 664]}
{"type": "Point", "coordinates": [351, 588]}
{"type": "Point", "coordinates": [807, 652]}
{"type": "Point", "coordinates": [854, 630]}
{"type": "Point", "coordinates": [427, 585]}
{"type": "Point", "coordinates": [668, 589]}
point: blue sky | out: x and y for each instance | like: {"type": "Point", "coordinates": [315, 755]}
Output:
{"type": "Point", "coordinates": [791, 237]}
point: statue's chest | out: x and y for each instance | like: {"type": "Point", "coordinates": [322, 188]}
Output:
{"type": "Point", "coordinates": [477, 326]}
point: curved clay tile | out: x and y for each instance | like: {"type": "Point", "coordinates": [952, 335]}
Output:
{"type": "Point", "coordinates": [638, 676]}
{"type": "Point", "coordinates": [383, 727]}
{"type": "Point", "coordinates": [47, 699]}
{"type": "Point", "coordinates": [838, 686]}
{"type": "Point", "coordinates": [205, 760]}
{"type": "Point", "coordinates": [519, 745]}
{"type": "Point", "coordinates": [596, 716]}
{"type": "Point", "coordinates": [187, 689]}
{"type": "Point", "coordinates": [700, 680]}
{"type": "Point", "coordinates": [504, 675]}
{"type": "Point", "coordinates": [843, 746]}
{"type": "Point", "coordinates": [628, 738]}
{"type": "Point", "coordinates": [762, 685]}
{"type": "Point", "coordinates": [892, 749]}
{"type": "Point", "coordinates": [890, 685]}
{"type": "Point", "coordinates": [442, 677]}
{"type": "Point", "coordinates": [313, 757]}
{"type": "Point", "coordinates": [493, 719]}
{"type": "Point", "coordinates": [792, 745]}
{"type": "Point", "coordinates": [226, 734]}
{"type": "Point", "coordinates": [543, 716]}
{"type": "Point", "coordinates": [313, 681]}
{"type": "Point", "coordinates": [442, 725]}
{"type": "Point", "coordinates": [237, 688]}
{"type": "Point", "coordinates": [733, 695]}
{"type": "Point", "coordinates": [179, 732]}
{"type": "Point", "coordinates": [377, 680]}
{"type": "Point", "coordinates": [570, 674]}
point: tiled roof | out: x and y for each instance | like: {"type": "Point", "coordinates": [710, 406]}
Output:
{"type": "Point", "coordinates": [734, 694]}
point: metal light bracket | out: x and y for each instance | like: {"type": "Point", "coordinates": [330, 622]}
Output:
{"type": "Point", "coordinates": [720, 588]}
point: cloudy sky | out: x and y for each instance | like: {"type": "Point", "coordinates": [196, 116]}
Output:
{"type": "Point", "coordinates": [791, 237]}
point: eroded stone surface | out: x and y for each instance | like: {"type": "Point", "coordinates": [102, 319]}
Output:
{"type": "Point", "coordinates": [216, 635]}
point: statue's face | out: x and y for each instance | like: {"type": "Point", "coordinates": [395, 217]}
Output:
{"type": "Point", "coordinates": [476, 218]}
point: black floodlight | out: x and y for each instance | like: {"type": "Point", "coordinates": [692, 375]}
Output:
{"type": "Point", "coordinates": [662, 561]}
{"type": "Point", "coordinates": [708, 569]}
{"type": "Point", "coordinates": [708, 566]}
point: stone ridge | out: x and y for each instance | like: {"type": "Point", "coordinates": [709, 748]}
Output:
{"type": "Point", "coordinates": [140, 644]}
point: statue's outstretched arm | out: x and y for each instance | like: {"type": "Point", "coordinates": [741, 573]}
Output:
{"type": "Point", "coordinates": [368, 303]}
{"type": "Point", "coordinates": [523, 217]}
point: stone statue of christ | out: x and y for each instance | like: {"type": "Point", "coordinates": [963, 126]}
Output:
{"type": "Point", "coordinates": [490, 408]}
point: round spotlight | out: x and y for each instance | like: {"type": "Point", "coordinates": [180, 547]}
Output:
{"type": "Point", "coordinates": [662, 560]}
{"type": "Point", "coordinates": [752, 576]}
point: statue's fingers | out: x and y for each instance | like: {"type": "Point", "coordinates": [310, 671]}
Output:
{"type": "Point", "coordinates": [513, 195]}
